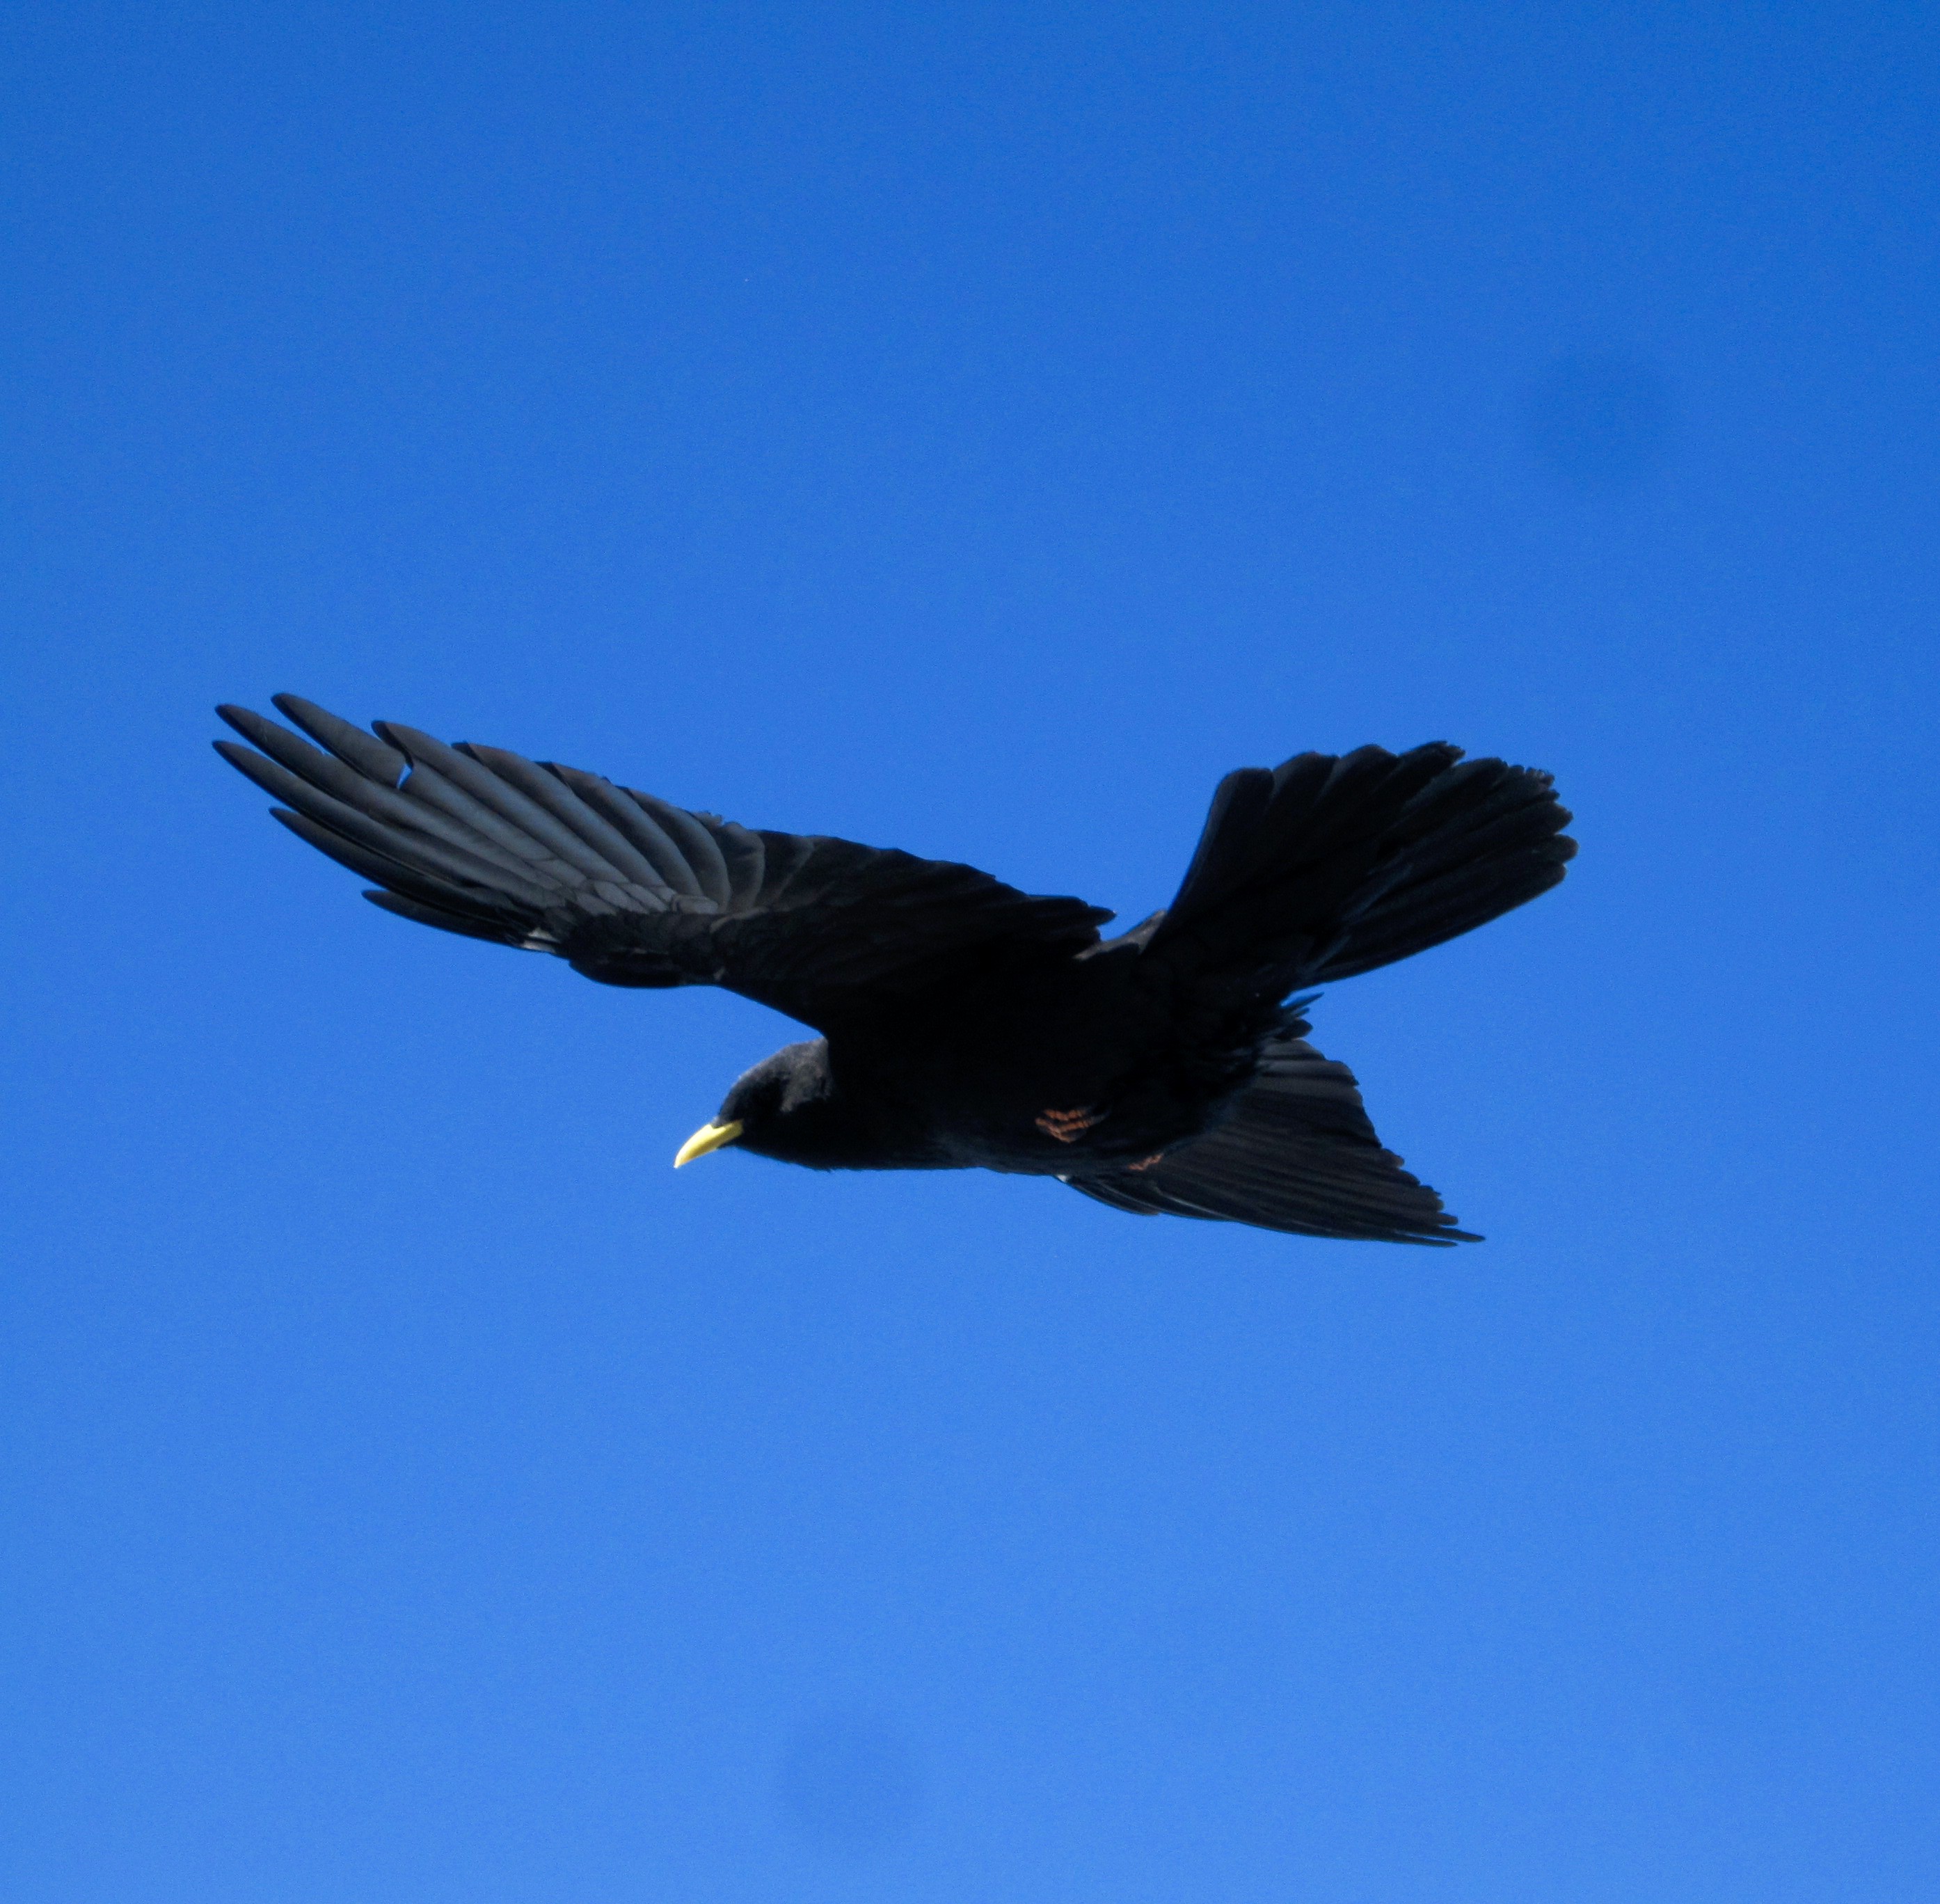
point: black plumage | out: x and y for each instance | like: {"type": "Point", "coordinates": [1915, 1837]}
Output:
{"type": "Point", "coordinates": [964, 1022]}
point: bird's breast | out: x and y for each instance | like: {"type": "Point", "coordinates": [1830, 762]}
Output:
{"type": "Point", "coordinates": [1075, 1063]}
{"type": "Point", "coordinates": [1039, 1107]}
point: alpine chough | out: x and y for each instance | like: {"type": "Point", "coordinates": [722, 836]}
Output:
{"type": "Point", "coordinates": [964, 1022]}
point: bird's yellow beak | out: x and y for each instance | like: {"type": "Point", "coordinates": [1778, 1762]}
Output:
{"type": "Point", "coordinates": [709, 1136]}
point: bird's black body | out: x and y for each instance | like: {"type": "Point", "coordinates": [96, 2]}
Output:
{"type": "Point", "coordinates": [963, 1080]}
{"type": "Point", "coordinates": [965, 1023]}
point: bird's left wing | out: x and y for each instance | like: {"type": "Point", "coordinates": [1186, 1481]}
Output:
{"type": "Point", "coordinates": [629, 889]}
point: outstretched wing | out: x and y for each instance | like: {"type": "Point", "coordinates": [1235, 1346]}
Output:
{"type": "Point", "coordinates": [1296, 1154]}
{"type": "Point", "coordinates": [1328, 866]}
{"type": "Point", "coordinates": [632, 890]}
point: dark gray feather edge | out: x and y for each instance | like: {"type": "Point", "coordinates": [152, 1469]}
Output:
{"type": "Point", "coordinates": [456, 865]}
{"type": "Point", "coordinates": [697, 844]}
{"type": "Point", "coordinates": [351, 745]}
{"type": "Point", "coordinates": [625, 813]}
{"type": "Point", "coordinates": [408, 880]}
{"type": "Point", "coordinates": [606, 841]}
{"type": "Point", "coordinates": [444, 918]}
{"type": "Point", "coordinates": [492, 768]}
{"type": "Point", "coordinates": [341, 782]}
{"type": "Point", "coordinates": [446, 778]}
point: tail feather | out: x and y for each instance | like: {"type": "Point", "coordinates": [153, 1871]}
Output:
{"type": "Point", "coordinates": [1296, 1154]}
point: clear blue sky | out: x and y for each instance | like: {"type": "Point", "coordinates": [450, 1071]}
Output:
{"type": "Point", "coordinates": [973, 428]}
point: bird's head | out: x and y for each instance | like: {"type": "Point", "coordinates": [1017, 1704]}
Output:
{"type": "Point", "coordinates": [783, 1108]}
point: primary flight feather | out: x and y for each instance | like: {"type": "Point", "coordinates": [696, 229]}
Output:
{"type": "Point", "coordinates": [964, 1022]}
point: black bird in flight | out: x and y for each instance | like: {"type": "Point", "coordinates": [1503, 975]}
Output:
{"type": "Point", "coordinates": [963, 1022]}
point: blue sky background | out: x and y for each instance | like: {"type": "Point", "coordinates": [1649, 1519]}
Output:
{"type": "Point", "coordinates": [973, 428]}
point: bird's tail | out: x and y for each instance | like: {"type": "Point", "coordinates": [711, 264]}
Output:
{"type": "Point", "coordinates": [1330, 865]}
{"type": "Point", "coordinates": [1295, 1153]}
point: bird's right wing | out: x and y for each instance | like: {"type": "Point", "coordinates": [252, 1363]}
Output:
{"type": "Point", "coordinates": [1328, 866]}
{"type": "Point", "coordinates": [1296, 1154]}
{"type": "Point", "coordinates": [629, 889]}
